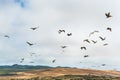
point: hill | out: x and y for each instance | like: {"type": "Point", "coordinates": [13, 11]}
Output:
{"type": "Point", "coordinates": [64, 74]}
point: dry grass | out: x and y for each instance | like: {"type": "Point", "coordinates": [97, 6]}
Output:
{"type": "Point", "coordinates": [54, 72]}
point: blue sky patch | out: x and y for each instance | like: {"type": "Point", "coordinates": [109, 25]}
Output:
{"type": "Point", "coordinates": [21, 3]}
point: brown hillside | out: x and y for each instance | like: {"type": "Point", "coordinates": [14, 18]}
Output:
{"type": "Point", "coordinates": [54, 72]}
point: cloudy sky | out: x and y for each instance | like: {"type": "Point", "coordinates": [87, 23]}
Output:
{"type": "Point", "coordinates": [79, 17]}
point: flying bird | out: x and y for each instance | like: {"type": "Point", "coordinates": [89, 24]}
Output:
{"type": "Point", "coordinates": [22, 60]}
{"type": "Point", "coordinates": [83, 48]}
{"type": "Point", "coordinates": [110, 29]}
{"type": "Point", "coordinates": [93, 32]}
{"type": "Point", "coordinates": [102, 38]}
{"type": "Point", "coordinates": [86, 40]}
{"type": "Point", "coordinates": [61, 31]}
{"type": "Point", "coordinates": [53, 61]}
{"type": "Point", "coordinates": [7, 36]}
{"type": "Point", "coordinates": [103, 64]}
{"type": "Point", "coordinates": [108, 15]}
{"type": "Point", "coordinates": [69, 34]}
{"type": "Point", "coordinates": [80, 62]}
{"type": "Point", "coordinates": [63, 47]}
{"type": "Point", "coordinates": [94, 41]}
{"type": "Point", "coordinates": [30, 44]}
{"type": "Point", "coordinates": [105, 44]}
{"type": "Point", "coordinates": [86, 56]}
{"type": "Point", "coordinates": [34, 28]}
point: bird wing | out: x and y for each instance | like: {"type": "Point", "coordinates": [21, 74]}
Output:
{"type": "Point", "coordinates": [100, 37]}
{"type": "Point", "coordinates": [29, 43]}
{"type": "Point", "coordinates": [106, 14]}
{"type": "Point", "coordinates": [96, 31]}
{"type": "Point", "coordinates": [109, 13]}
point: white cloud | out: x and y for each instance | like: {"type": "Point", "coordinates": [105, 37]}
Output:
{"type": "Point", "coordinates": [77, 16]}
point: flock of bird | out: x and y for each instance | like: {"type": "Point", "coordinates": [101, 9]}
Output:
{"type": "Point", "coordinates": [108, 15]}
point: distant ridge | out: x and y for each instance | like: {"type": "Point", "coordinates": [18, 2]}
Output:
{"type": "Point", "coordinates": [17, 66]}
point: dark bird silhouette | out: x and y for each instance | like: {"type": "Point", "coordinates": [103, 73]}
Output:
{"type": "Point", "coordinates": [86, 40]}
{"type": "Point", "coordinates": [34, 28]}
{"type": "Point", "coordinates": [86, 56]}
{"type": "Point", "coordinates": [105, 44]}
{"type": "Point", "coordinates": [83, 48]}
{"type": "Point", "coordinates": [102, 38]}
{"type": "Point", "coordinates": [94, 41]}
{"type": "Point", "coordinates": [7, 36]}
{"type": "Point", "coordinates": [93, 33]}
{"type": "Point", "coordinates": [108, 15]}
{"type": "Point", "coordinates": [22, 60]}
{"type": "Point", "coordinates": [80, 62]}
{"type": "Point", "coordinates": [63, 47]}
{"type": "Point", "coordinates": [103, 64]}
{"type": "Point", "coordinates": [53, 61]}
{"type": "Point", "coordinates": [110, 29]}
{"type": "Point", "coordinates": [61, 31]}
{"type": "Point", "coordinates": [30, 44]}
{"type": "Point", "coordinates": [69, 34]}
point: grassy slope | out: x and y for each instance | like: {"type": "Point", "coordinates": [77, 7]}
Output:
{"type": "Point", "coordinates": [56, 74]}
